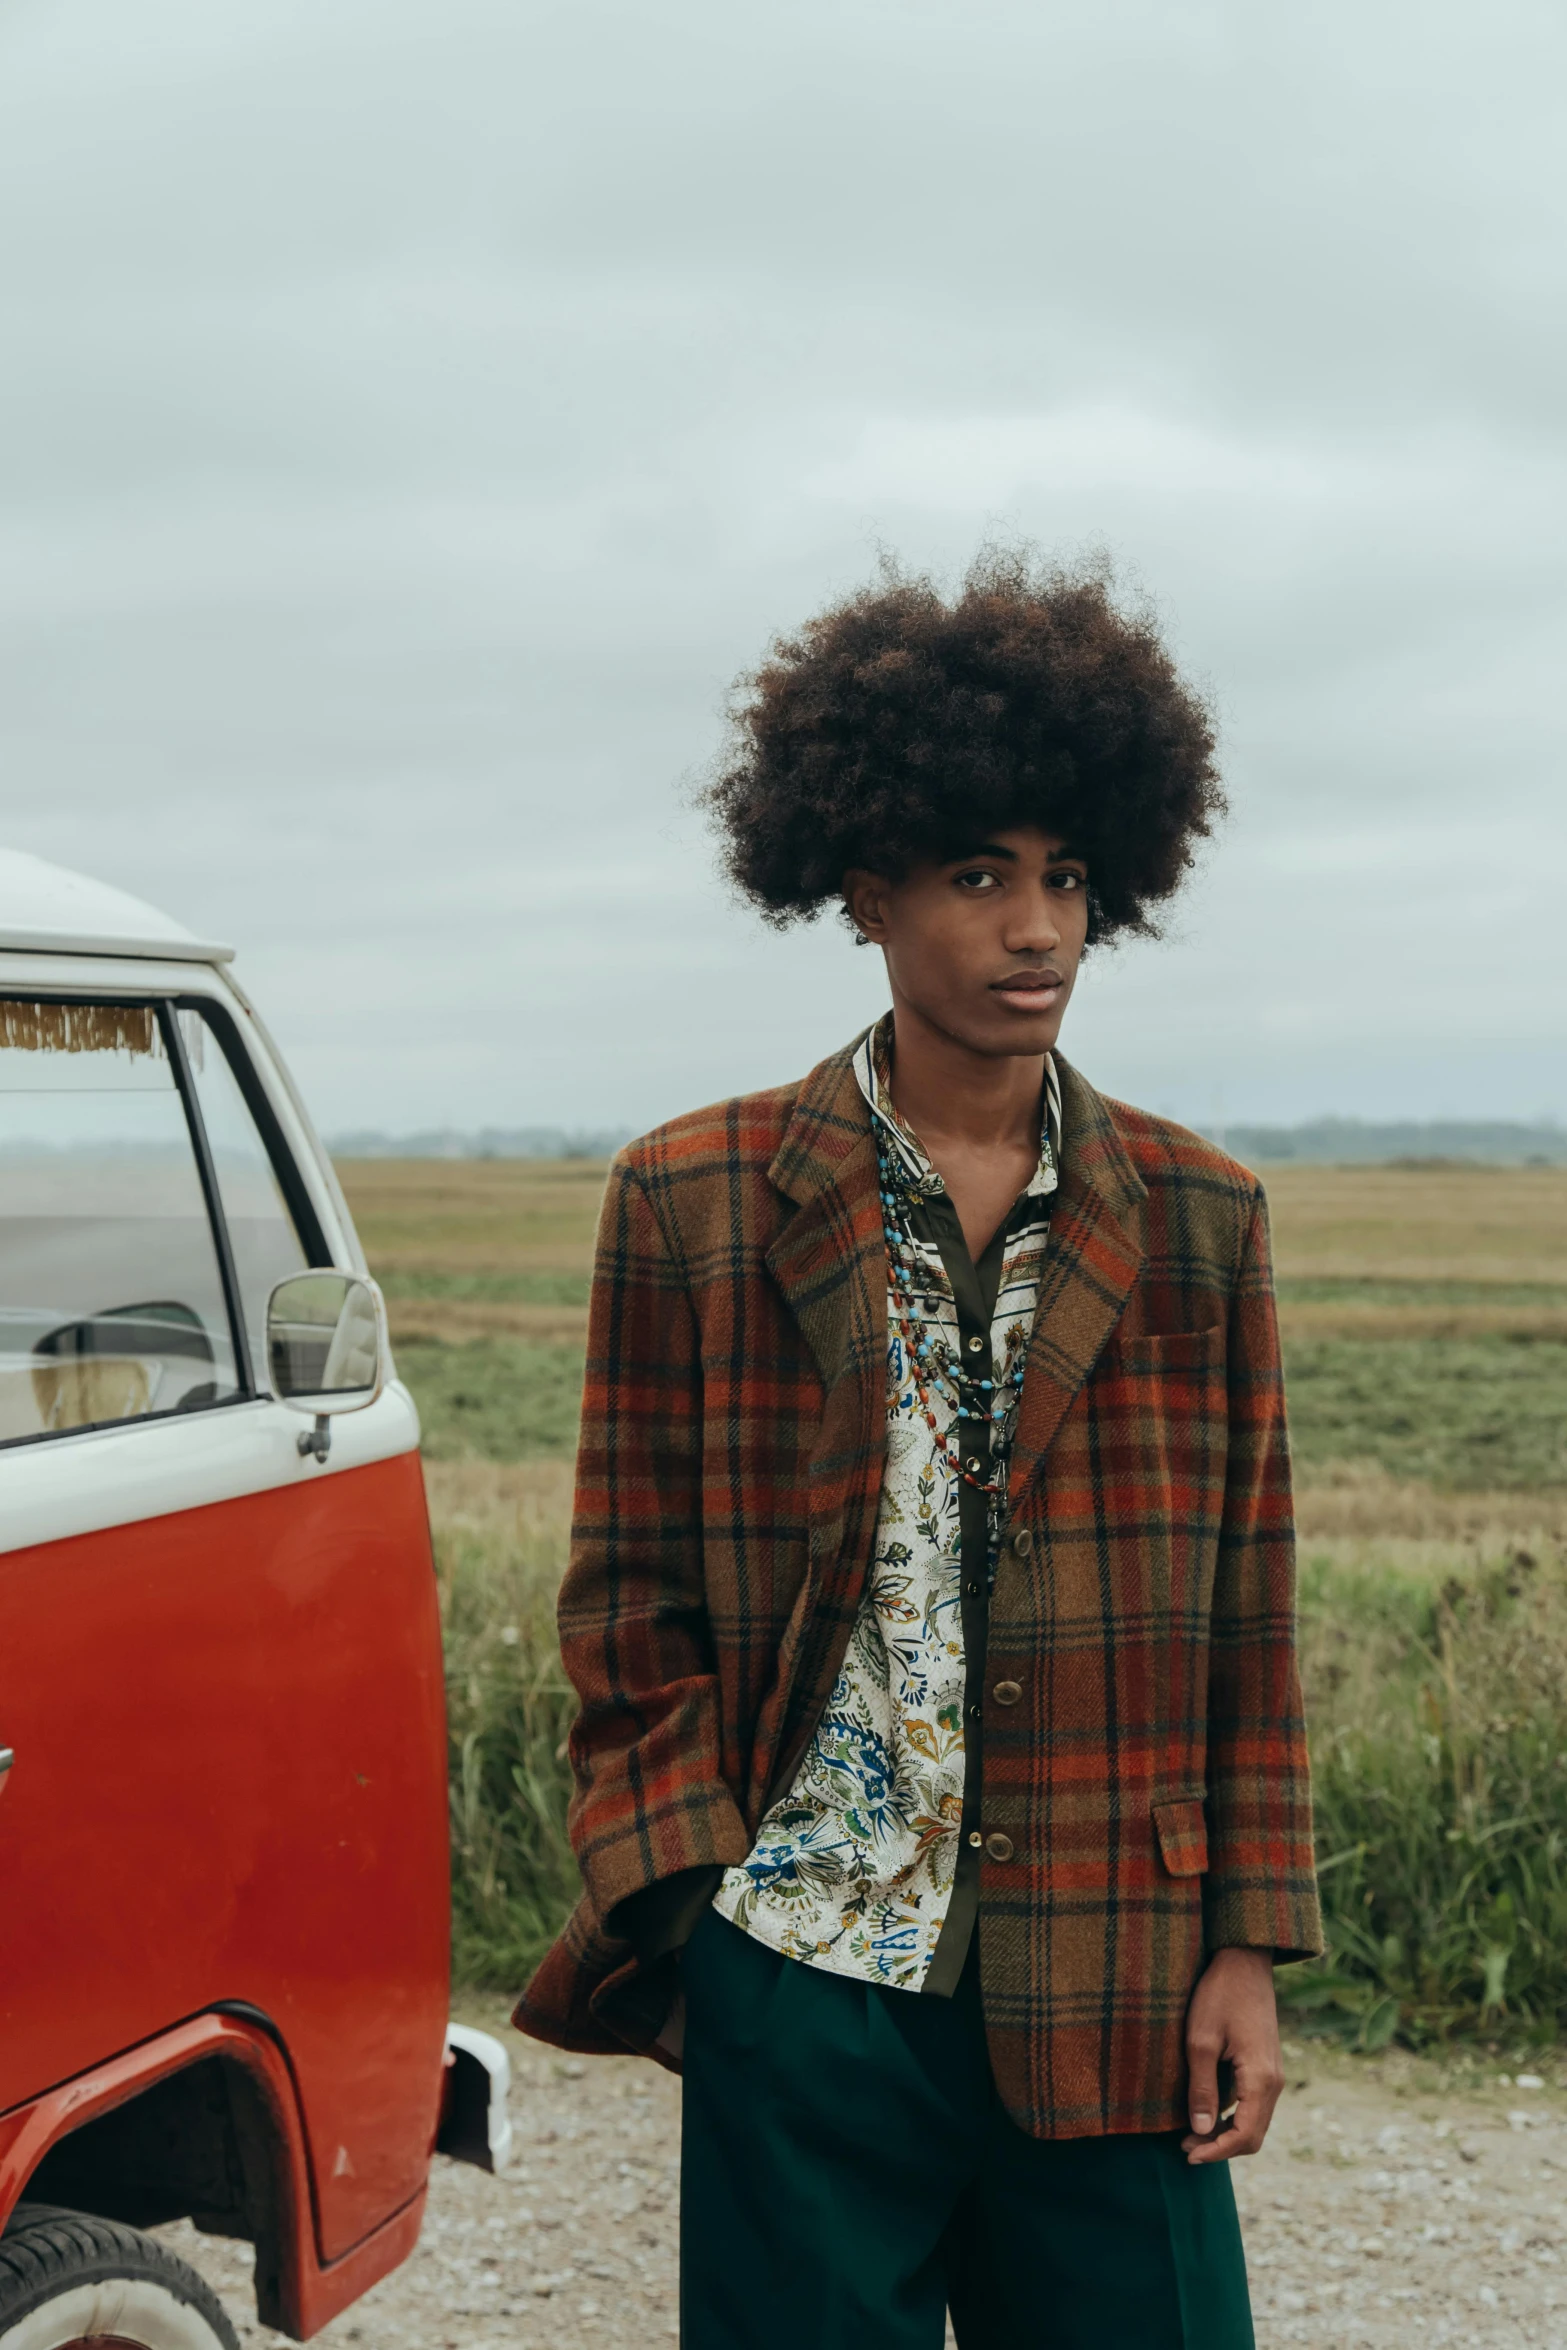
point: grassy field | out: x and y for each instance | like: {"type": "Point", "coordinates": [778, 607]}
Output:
{"type": "Point", "coordinates": [485, 1264]}
{"type": "Point", "coordinates": [1425, 1325]}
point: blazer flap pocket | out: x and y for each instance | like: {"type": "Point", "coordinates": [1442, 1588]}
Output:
{"type": "Point", "coordinates": [1169, 1350]}
{"type": "Point", "coordinates": [1183, 1835]}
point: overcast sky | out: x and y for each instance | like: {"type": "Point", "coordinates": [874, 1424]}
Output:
{"type": "Point", "coordinates": [413, 413]}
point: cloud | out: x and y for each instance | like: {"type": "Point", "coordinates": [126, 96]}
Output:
{"type": "Point", "coordinates": [414, 417]}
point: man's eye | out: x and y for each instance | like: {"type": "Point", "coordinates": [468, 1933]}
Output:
{"type": "Point", "coordinates": [1065, 880]}
{"type": "Point", "coordinates": [978, 879]}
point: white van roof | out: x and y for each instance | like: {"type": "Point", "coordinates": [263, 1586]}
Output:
{"type": "Point", "coordinates": [48, 910]}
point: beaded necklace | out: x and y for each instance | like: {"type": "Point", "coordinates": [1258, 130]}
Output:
{"type": "Point", "coordinates": [934, 1367]}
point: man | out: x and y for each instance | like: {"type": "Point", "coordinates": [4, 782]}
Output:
{"type": "Point", "coordinates": [941, 1784]}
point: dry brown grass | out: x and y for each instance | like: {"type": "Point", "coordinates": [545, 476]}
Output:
{"type": "Point", "coordinates": [520, 1216]}
{"type": "Point", "coordinates": [1465, 1318]}
{"type": "Point", "coordinates": [453, 1321]}
{"type": "Point", "coordinates": [511, 1500]}
{"type": "Point", "coordinates": [1419, 1224]}
{"type": "Point", "coordinates": [1357, 1514]}
{"type": "Point", "coordinates": [1356, 1505]}
{"type": "Point", "coordinates": [479, 1248]}
{"type": "Point", "coordinates": [460, 1244]}
{"type": "Point", "coordinates": [495, 1216]}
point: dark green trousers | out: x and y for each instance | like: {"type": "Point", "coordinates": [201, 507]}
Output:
{"type": "Point", "coordinates": [848, 2173]}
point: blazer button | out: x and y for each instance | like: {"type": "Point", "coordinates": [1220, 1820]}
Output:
{"type": "Point", "coordinates": [1023, 1542]}
{"type": "Point", "coordinates": [999, 1847]}
{"type": "Point", "coordinates": [1007, 1692]}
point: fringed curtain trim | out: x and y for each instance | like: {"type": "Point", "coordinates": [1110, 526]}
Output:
{"type": "Point", "coordinates": [78, 1028]}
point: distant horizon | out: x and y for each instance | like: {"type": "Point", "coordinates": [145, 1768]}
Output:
{"type": "Point", "coordinates": [1331, 1139]}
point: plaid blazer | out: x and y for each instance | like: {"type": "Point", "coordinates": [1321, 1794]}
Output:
{"type": "Point", "coordinates": [1152, 1782]}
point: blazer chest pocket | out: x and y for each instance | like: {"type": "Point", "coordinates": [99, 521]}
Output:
{"type": "Point", "coordinates": [1182, 1829]}
{"type": "Point", "coordinates": [1155, 1351]}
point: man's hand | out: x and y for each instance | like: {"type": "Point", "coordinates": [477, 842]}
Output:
{"type": "Point", "coordinates": [1232, 2015]}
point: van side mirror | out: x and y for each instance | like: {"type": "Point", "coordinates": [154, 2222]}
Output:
{"type": "Point", "coordinates": [327, 1347]}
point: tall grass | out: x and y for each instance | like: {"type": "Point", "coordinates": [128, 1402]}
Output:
{"type": "Point", "coordinates": [1440, 1766]}
{"type": "Point", "coordinates": [499, 1547]}
{"type": "Point", "coordinates": [1435, 1684]}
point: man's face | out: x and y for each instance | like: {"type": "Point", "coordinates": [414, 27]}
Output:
{"type": "Point", "coordinates": [985, 949]}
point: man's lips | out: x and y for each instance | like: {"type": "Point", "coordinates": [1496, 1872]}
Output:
{"type": "Point", "coordinates": [1029, 991]}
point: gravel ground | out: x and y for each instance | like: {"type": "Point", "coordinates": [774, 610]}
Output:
{"type": "Point", "coordinates": [1392, 2207]}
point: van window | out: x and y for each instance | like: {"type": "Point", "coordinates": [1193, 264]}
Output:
{"type": "Point", "coordinates": [111, 1298]}
{"type": "Point", "coordinates": [262, 1233]}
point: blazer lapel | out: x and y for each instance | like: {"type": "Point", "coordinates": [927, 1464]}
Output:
{"type": "Point", "coordinates": [1095, 1255]}
{"type": "Point", "coordinates": [829, 1261]}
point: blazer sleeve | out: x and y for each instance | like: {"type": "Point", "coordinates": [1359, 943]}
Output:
{"type": "Point", "coordinates": [1261, 1888]}
{"type": "Point", "coordinates": [650, 1801]}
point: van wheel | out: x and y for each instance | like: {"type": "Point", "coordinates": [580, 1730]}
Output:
{"type": "Point", "coordinates": [69, 2281]}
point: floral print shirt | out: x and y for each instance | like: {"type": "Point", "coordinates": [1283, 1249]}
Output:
{"type": "Point", "coordinates": [853, 1870]}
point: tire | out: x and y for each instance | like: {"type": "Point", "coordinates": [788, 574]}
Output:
{"type": "Point", "coordinates": [68, 2279]}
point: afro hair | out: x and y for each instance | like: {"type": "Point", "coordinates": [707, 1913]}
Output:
{"type": "Point", "coordinates": [897, 728]}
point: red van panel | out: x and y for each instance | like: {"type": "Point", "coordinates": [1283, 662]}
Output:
{"type": "Point", "coordinates": [230, 1776]}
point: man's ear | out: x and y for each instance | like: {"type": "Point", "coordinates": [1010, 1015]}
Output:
{"type": "Point", "coordinates": [865, 895]}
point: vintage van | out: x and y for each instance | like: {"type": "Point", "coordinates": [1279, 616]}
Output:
{"type": "Point", "coordinates": [223, 1809]}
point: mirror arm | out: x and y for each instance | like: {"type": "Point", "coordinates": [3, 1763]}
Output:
{"type": "Point", "coordinates": [317, 1440]}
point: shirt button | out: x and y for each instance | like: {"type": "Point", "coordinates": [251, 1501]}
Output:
{"type": "Point", "coordinates": [974, 1712]}
{"type": "Point", "coordinates": [999, 1847]}
{"type": "Point", "coordinates": [974, 1464]}
{"type": "Point", "coordinates": [1022, 1542]}
{"type": "Point", "coordinates": [975, 1345]}
{"type": "Point", "coordinates": [1007, 1692]}
{"type": "Point", "coordinates": [972, 1589]}
{"type": "Point", "coordinates": [975, 1838]}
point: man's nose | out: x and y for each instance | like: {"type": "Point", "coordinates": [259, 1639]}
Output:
{"type": "Point", "coordinates": [1034, 928]}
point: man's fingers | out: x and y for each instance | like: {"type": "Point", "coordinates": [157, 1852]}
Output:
{"type": "Point", "coordinates": [1248, 2127]}
{"type": "Point", "coordinates": [1244, 2125]}
{"type": "Point", "coordinates": [1238, 2134]}
{"type": "Point", "coordinates": [1202, 2094]}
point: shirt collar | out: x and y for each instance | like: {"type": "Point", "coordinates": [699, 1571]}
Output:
{"type": "Point", "coordinates": [872, 1069]}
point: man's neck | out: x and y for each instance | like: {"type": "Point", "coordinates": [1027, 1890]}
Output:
{"type": "Point", "coordinates": [977, 1102]}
